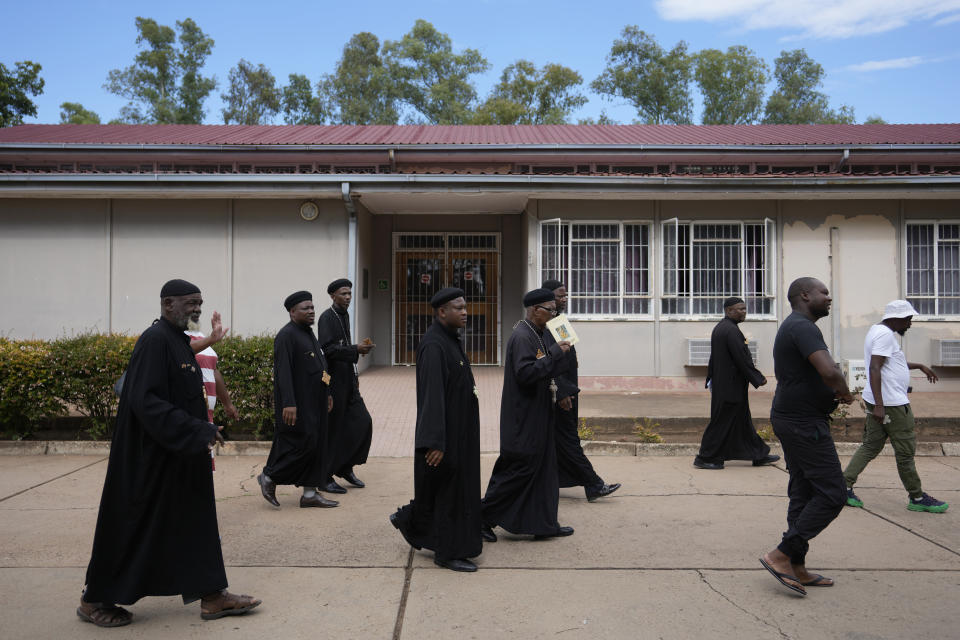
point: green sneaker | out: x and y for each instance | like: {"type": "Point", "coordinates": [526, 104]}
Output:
{"type": "Point", "coordinates": [852, 499]}
{"type": "Point", "coordinates": [926, 503]}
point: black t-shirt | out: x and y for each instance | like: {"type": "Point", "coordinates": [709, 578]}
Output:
{"type": "Point", "coordinates": [801, 392]}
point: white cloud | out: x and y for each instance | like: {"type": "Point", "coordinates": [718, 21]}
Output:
{"type": "Point", "coordinates": [882, 65]}
{"type": "Point", "coordinates": [813, 18]}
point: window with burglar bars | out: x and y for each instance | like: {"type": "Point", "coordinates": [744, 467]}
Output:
{"type": "Point", "coordinates": [933, 267]}
{"type": "Point", "coordinates": [706, 262]}
{"type": "Point", "coordinates": [605, 265]}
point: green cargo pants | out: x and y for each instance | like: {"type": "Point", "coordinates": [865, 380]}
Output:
{"type": "Point", "coordinates": [903, 439]}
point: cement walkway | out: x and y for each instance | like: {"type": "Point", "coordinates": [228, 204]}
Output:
{"type": "Point", "coordinates": [673, 554]}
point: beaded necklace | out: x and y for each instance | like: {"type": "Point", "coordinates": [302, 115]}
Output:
{"type": "Point", "coordinates": [543, 350]}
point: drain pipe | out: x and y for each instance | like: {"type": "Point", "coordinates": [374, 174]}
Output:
{"type": "Point", "coordinates": [351, 249]}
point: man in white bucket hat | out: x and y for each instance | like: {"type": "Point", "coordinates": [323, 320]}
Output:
{"type": "Point", "coordinates": [888, 408]}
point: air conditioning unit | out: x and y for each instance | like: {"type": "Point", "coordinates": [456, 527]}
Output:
{"type": "Point", "coordinates": [698, 352]}
{"type": "Point", "coordinates": [856, 374]}
{"type": "Point", "coordinates": [946, 353]}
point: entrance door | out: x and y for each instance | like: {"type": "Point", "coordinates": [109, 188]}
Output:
{"type": "Point", "coordinates": [424, 264]}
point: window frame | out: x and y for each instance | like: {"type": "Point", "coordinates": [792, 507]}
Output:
{"type": "Point", "coordinates": [905, 295]}
{"type": "Point", "coordinates": [621, 267]}
{"type": "Point", "coordinates": [769, 290]}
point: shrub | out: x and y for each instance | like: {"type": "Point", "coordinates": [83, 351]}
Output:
{"type": "Point", "coordinates": [583, 431]}
{"type": "Point", "coordinates": [646, 431]}
{"type": "Point", "coordinates": [766, 433]}
{"type": "Point", "coordinates": [28, 387]}
{"type": "Point", "coordinates": [246, 365]}
{"type": "Point", "coordinates": [86, 367]}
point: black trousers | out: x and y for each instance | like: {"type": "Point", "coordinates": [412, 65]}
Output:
{"type": "Point", "coordinates": [817, 490]}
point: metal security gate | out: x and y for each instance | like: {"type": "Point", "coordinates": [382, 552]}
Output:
{"type": "Point", "coordinates": [424, 263]}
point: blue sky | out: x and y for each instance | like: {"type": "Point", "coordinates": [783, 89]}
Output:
{"type": "Point", "coordinates": [896, 59]}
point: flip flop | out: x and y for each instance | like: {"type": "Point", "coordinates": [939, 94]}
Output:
{"type": "Point", "coordinates": [818, 581]}
{"type": "Point", "coordinates": [780, 578]}
{"type": "Point", "coordinates": [232, 611]}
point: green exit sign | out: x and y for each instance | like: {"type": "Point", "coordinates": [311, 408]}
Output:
{"type": "Point", "coordinates": [382, 285]}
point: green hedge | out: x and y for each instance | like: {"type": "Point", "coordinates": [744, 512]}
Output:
{"type": "Point", "coordinates": [41, 381]}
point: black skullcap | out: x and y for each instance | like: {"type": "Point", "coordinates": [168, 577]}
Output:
{"type": "Point", "coordinates": [445, 295]}
{"type": "Point", "coordinates": [336, 284]}
{"type": "Point", "coordinates": [178, 287]}
{"type": "Point", "coordinates": [729, 302]}
{"type": "Point", "coordinates": [552, 285]}
{"type": "Point", "coordinates": [296, 298]}
{"type": "Point", "coordinates": [537, 296]}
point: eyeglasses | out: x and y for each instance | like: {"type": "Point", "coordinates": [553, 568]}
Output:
{"type": "Point", "coordinates": [551, 310]}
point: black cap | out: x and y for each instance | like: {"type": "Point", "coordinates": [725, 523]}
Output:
{"type": "Point", "coordinates": [445, 295]}
{"type": "Point", "coordinates": [537, 296]}
{"type": "Point", "coordinates": [552, 285]}
{"type": "Point", "coordinates": [177, 287]}
{"type": "Point", "coordinates": [729, 302]}
{"type": "Point", "coordinates": [296, 298]}
{"type": "Point", "coordinates": [337, 284]}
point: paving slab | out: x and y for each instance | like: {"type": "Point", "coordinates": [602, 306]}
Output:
{"type": "Point", "coordinates": [297, 603]}
{"type": "Point", "coordinates": [20, 472]}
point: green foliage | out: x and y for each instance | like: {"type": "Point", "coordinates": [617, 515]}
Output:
{"type": "Point", "coordinates": [432, 78]}
{"type": "Point", "coordinates": [646, 431]}
{"type": "Point", "coordinates": [602, 119]}
{"type": "Point", "coordinates": [14, 89]}
{"type": "Point", "coordinates": [247, 368]}
{"type": "Point", "coordinates": [732, 85]}
{"type": "Point", "coordinates": [300, 106]}
{"type": "Point", "coordinates": [527, 95]}
{"type": "Point", "coordinates": [656, 82]}
{"type": "Point", "coordinates": [28, 387]}
{"type": "Point", "coordinates": [361, 90]}
{"type": "Point", "coordinates": [164, 84]}
{"type": "Point", "coordinates": [796, 99]}
{"type": "Point", "coordinates": [766, 433]}
{"type": "Point", "coordinates": [253, 97]}
{"type": "Point", "coordinates": [874, 119]}
{"type": "Point", "coordinates": [86, 367]}
{"type": "Point", "coordinates": [583, 431]}
{"type": "Point", "coordinates": [75, 113]}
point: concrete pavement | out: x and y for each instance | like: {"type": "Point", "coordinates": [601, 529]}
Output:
{"type": "Point", "coordinates": [673, 554]}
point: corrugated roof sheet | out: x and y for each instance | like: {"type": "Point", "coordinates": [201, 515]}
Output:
{"type": "Point", "coordinates": [603, 135]}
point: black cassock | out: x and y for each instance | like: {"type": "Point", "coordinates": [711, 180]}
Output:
{"type": "Point", "coordinates": [157, 531]}
{"type": "Point", "coordinates": [523, 493]}
{"type": "Point", "coordinates": [573, 466]}
{"type": "Point", "coordinates": [298, 454]}
{"type": "Point", "coordinates": [444, 515]}
{"type": "Point", "coordinates": [730, 434]}
{"type": "Point", "coordinates": [351, 428]}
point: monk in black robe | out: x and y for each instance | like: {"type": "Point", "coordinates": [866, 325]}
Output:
{"type": "Point", "coordinates": [523, 493]}
{"type": "Point", "coordinates": [444, 515]}
{"type": "Point", "coordinates": [157, 529]}
{"type": "Point", "coordinates": [301, 404]}
{"type": "Point", "coordinates": [573, 466]}
{"type": "Point", "coordinates": [351, 428]}
{"type": "Point", "coordinates": [730, 435]}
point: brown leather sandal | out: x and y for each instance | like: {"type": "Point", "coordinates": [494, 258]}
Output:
{"type": "Point", "coordinates": [104, 615]}
{"type": "Point", "coordinates": [224, 603]}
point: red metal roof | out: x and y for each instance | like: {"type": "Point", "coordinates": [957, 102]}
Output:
{"type": "Point", "coordinates": [602, 135]}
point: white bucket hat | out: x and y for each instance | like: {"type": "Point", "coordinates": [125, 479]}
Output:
{"type": "Point", "coordinates": [899, 309]}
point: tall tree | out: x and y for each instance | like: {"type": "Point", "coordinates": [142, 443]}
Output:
{"type": "Point", "coordinates": [655, 81]}
{"type": "Point", "coordinates": [75, 113]}
{"type": "Point", "coordinates": [15, 88]}
{"type": "Point", "coordinates": [874, 119]}
{"type": "Point", "coordinates": [732, 85]}
{"type": "Point", "coordinates": [253, 97]}
{"type": "Point", "coordinates": [362, 89]}
{"type": "Point", "coordinates": [527, 95]}
{"type": "Point", "coordinates": [796, 99]}
{"type": "Point", "coordinates": [434, 80]}
{"type": "Point", "coordinates": [164, 84]}
{"type": "Point", "coordinates": [300, 105]}
{"type": "Point", "coordinates": [603, 118]}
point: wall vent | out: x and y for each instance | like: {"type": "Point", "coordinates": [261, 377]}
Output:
{"type": "Point", "coordinates": [698, 352]}
{"type": "Point", "coordinates": [946, 353]}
